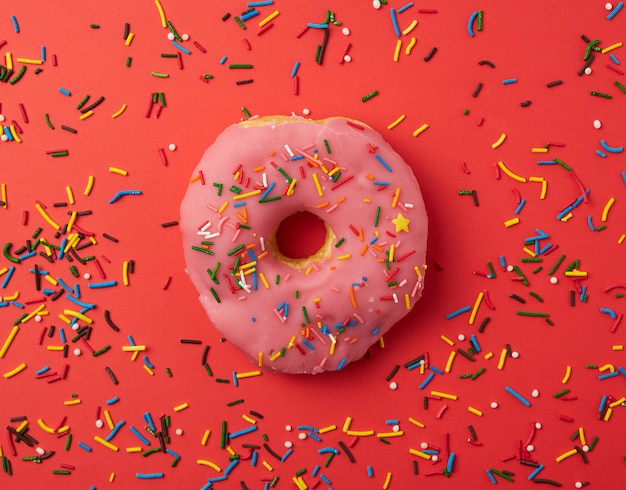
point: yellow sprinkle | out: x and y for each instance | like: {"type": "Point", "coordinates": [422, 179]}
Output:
{"type": "Point", "coordinates": [45, 216]}
{"type": "Point", "coordinates": [15, 371]}
{"type": "Point", "coordinates": [148, 370]}
{"type": "Point", "coordinates": [161, 13]}
{"type": "Point", "coordinates": [320, 192]}
{"type": "Point", "coordinates": [129, 39]}
{"type": "Point", "coordinates": [568, 373]}
{"type": "Point", "coordinates": [407, 301]}
{"type": "Point", "coordinates": [45, 427]}
{"type": "Point", "coordinates": [119, 112]}
{"type": "Point", "coordinates": [396, 53]}
{"type": "Point", "coordinates": [64, 318]}
{"type": "Point", "coordinates": [249, 374]}
{"type": "Point", "coordinates": [210, 464]}
{"type": "Point", "coordinates": [71, 221]}
{"type": "Point", "coordinates": [488, 355]}
{"type": "Point", "coordinates": [611, 47]}
{"type": "Point", "coordinates": [134, 355]}
{"type": "Point", "coordinates": [79, 315]}
{"type": "Point", "coordinates": [499, 142]}
{"type": "Point", "coordinates": [410, 46]}
{"type": "Point", "coordinates": [544, 189]}
{"type": "Point", "coordinates": [387, 481]}
{"type": "Point", "coordinates": [617, 402]}
{"type": "Point", "coordinates": [389, 434]}
{"type": "Point", "coordinates": [265, 283]}
{"type": "Point", "coordinates": [107, 444]}
{"type": "Point", "coordinates": [89, 186]}
{"type": "Point", "coordinates": [86, 115]}
{"type": "Point", "coordinates": [275, 356]}
{"type": "Point", "coordinates": [475, 411]}
{"type": "Point", "coordinates": [607, 415]}
{"type": "Point", "coordinates": [22, 426]}
{"type": "Point", "coordinates": [607, 207]}
{"type": "Point", "coordinates": [344, 257]}
{"type": "Point", "coordinates": [607, 367]}
{"type": "Point", "coordinates": [334, 171]}
{"type": "Point", "coordinates": [14, 133]}
{"type": "Point", "coordinates": [450, 361]}
{"type": "Point", "coordinates": [566, 218]}
{"type": "Point", "coordinates": [133, 348]}
{"type": "Point", "coordinates": [250, 420]}
{"type": "Point", "coordinates": [479, 299]}
{"type": "Point", "coordinates": [512, 175]}
{"type": "Point", "coordinates": [416, 422]}
{"type": "Point", "coordinates": [205, 437]}
{"type": "Point", "coordinates": [417, 271]}
{"type": "Point", "coordinates": [330, 428]}
{"type": "Point", "coordinates": [28, 61]}
{"type": "Point", "coordinates": [441, 394]}
{"type": "Point", "coordinates": [267, 466]}
{"type": "Point", "coordinates": [55, 348]}
{"type": "Point", "coordinates": [447, 340]}
{"type": "Point", "coordinates": [566, 455]}
{"type": "Point", "coordinates": [360, 433]}
{"type": "Point", "coordinates": [618, 347]}
{"type": "Point", "coordinates": [290, 189]}
{"type": "Point", "coordinates": [300, 483]}
{"type": "Point", "coordinates": [397, 121]}
{"type": "Point", "coordinates": [9, 60]}
{"type": "Point", "coordinates": [394, 202]}
{"type": "Point", "coordinates": [3, 195]}
{"type": "Point", "coordinates": [193, 179]}
{"type": "Point", "coordinates": [575, 273]}
{"type": "Point", "coordinates": [392, 250]}
{"type": "Point", "coordinates": [346, 424]}
{"type": "Point", "coordinates": [419, 454]}
{"type": "Point", "coordinates": [542, 149]}
{"type": "Point", "coordinates": [621, 239]}
{"type": "Point", "coordinates": [581, 435]}
{"type": "Point", "coordinates": [411, 26]}
{"type": "Point", "coordinates": [181, 407]}
{"type": "Point", "coordinates": [269, 18]}
{"type": "Point", "coordinates": [222, 208]}
{"type": "Point", "coordinates": [511, 222]}
{"type": "Point", "coordinates": [248, 194]}
{"type": "Point", "coordinates": [9, 340]}
{"type": "Point", "coordinates": [134, 449]}
{"type": "Point", "coordinates": [75, 401]}
{"type": "Point", "coordinates": [503, 355]}
{"type": "Point", "coordinates": [125, 273]}
{"type": "Point", "coordinates": [528, 251]}
{"type": "Point", "coordinates": [420, 130]}
{"type": "Point", "coordinates": [117, 170]}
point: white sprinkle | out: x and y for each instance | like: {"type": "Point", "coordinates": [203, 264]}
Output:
{"type": "Point", "coordinates": [185, 37]}
{"type": "Point", "coordinates": [77, 352]}
{"type": "Point", "coordinates": [597, 123]}
{"type": "Point", "coordinates": [347, 58]}
{"type": "Point", "coordinates": [608, 6]}
{"type": "Point", "coordinates": [435, 458]}
{"type": "Point", "coordinates": [179, 432]}
{"type": "Point", "coordinates": [461, 337]}
{"type": "Point", "coordinates": [288, 444]}
{"type": "Point", "coordinates": [535, 393]}
{"type": "Point", "coordinates": [554, 280]}
{"type": "Point", "coordinates": [579, 484]}
{"type": "Point", "coordinates": [393, 385]}
{"type": "Point", "coordinates": [509, 268]}
{"type": "Point", "coordinates": [306, 111]}
{"type": "Point", "coordinates": [345, 31]}
{"type": "Point", "coordinates": [75, 327]}
{"type": "Point", "coordinates": [288, 428]}
{"type": "Point", "coordinates": [396, 428]}
{"type": "Point", "coordinates": [37, 318]}
{"type": "Point", "coordinates": [302, 436]}
{"type": "Point", "coordinates": [588, 71]}
{"type": "Point", "coordinates": [530, 448]}
{"type": "Point", "coordinates": [1, 117]}
{"type": "Point", "coordinates": [170, 36]}
{"type": "Point", "coordinates": [376, 4]}
{"type": "Point", "coordinates": [585, 448]}
{"type": "Point", "coordinates": [514, 354]}
{"type": "Point", "coordinates": [86, 276]}
{"type": "Point", "coordinates": [4, 137]}
{"type": "Point", "coordinates": [171, 147]}
{"type": "Point", "coordinates": [99, 424]}
{"type": "Point", "coordinates": [538, 425]}
{"type": "Point", "coordinates": [40, 451]}
{"type": "Point", "coordinates": [424, 445]}
{"type": "Point", "coordinates": [494, 404]}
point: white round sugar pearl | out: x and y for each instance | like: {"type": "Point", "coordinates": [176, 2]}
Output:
{"type": "Point", "coordinates": [608, 6]}
{"type": "Point", "coordinates": [585, 448]}
{"type": "Point", "coordinates": [77, 352]}
{"type": "Point", "coordinates": [494, 404]}
{"type": "Point", "coordinates": [538, 425]}
{"type": "Point", "coordinates": [579, 484]}
{"type": "Point", "coordinates": [535, 393]}
{"type": "Point", "coordinates": [179, 432]}
{"type": "Point", "coordinates": [597, 123]}
{"type": "Point", "coordinates": [306, 111]}
{"type": "Point", "coordinates": [288, 428]}
{"type": "Point", "coordinates": [86, 276]}
{"type": "Point", "coordinates": [509, 268]}
{"type": "Point", "coordinates": [40, 451]}
{"type": "Point", "coordinates": [554, 280]}
{"type": "Point", "coordinates": [288, 444]}
{"type": "Point", "coordinates": [99, 424]}
{"type": "Point", "coordinates": [345, 31]}
{"type": "Point", "coordinates": [170, 36]}
{"type": "Point", "coordinates": [171, 147]}
{"type": "Point", "coordinates": [4, 137]}
{"type": "Point", "coordinates": [1, 117]}
{"type": "Point", "coordinates": [461, 337]}
{"type": "Point", "coordinates": [435, 458]}
{"type": "Point", "coordinates": [376, 4]}
{"type": "Point", "coordinates": [530, 448]}
{"type": "Point", "coordinates": [347, 58]}
{"type": "Point", "coordinates": [185, 37]}
{"type": "Point", "coordinates": [514, 354]}
{"type": "Point", "coordinates": [37, 318]}
{"type": "Point", "coordinates": [588, 71]}
{"type": "Point", "coordinates": [302, 436]}
{"type": "Point", "coordinates": [424, 445]}
{"type": "Point", "coordinates": [396, 428]}
{"type": "Point", "coordinates": [75, 327]}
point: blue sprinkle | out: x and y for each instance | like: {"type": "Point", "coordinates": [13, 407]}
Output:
{"type": "Point", "coordinates": [314, 436]}
{"type": "Point", "coordinates": [223, 60]}
{"type": "Point", "coordinates": [43, 53]}
{"type": "Point", "coordinates": [608, 375]}
{"type": "Point", "coordinates": [263, 3]}
{"type": "Point", "coordinates": [181, 48]}
{"type": "Point", "coordinates": [317, 26]}
{"type": "Point", "coordinates": [546, 162]}
{"type": "Point", "coordinates": [113, 400]}
{"type": "Point", "coordinates": [116, 428]}
{"type": "Point", "coordinates": [517, 395]}
{"type": "Point", "coordinates": [614, 59]}
{"type": "Point", "coordinates": [325, 480]}
{"type": "Point", "coordinates": [84, 446]}
{"type": "Point", "coordinates": [583, 293]}
{"type": "Point", "coordinates": [149, 476]}
{"type": "Point", "coordinates": [124, 193]}
{"type": "Point", "coordinates": [315, 471]}
{"type": "Point", "coordinates": [491, 477]}
{"type": "Point", "coordinates": [341, 364]}
{"type": "Point", "coordinates": [231, 466]}
{"type": "Point", "coordinates": [294, 70]}
{"type": "Point", "coordinates": [435, 369]}
{"type": "Point", "coordinates": [42, 370]}
{"type": "Point", "coordinates": [458, 312]}
{"type": "Point", "coordinates": [308, 344]}
{"type": "Point", "coordinates": [383, 163]}
{"type": "Point", "coordinates": [602, 403]}
{"type": "Point", "coordinates": [450, 462]}
{"type": "Point", "coordinates": [147, 362]}
{"type": "Point", "coordinates": [520, 206]}
{"type": "Point", "coordinates": [326, 450]}
{"type": "Point", "coordinates": [7, 132]}
{"type": "Point", "coordinates": [27, 255]}
{"type": "Point", "coordinates": [16, 26]}
{"type": "Point", "coordinates": [470, 22]}
{"type": "Point", "coordinates": [509, 81]}
{"type": "Point", "coordinates": [255, 457]}
{"type": "Point", "coordinates": [249, 15]}
{"type": "Point", "coordinates": [394, 21]}
{"type": "Point", "coordinates": [535, 472]}
{"type": "Point", "coordinates": [267, 191]}
{"type": "Point", "coordinates": [139, 435]}
{"type": "Point", "coordinates": [590, 223]}
{"type": "Point", "coordinates": [169, 451]}
{"type": "Point", "coordinates": [426, 381]}
{"type": "Point", "coordinates": [100, 285]}
{"type": "Point", "coordinates": [600, 153]}
{"type": "Point", "coordinates": [148, 418]}
{"type": "Point", "coordinates": [242, 432]}
{"type": "Point", "coordinates": [611, 149]}
{"type": "Point", "coordinates": [235, 380]}
{"type": "Point", "coordinates": [19, 305]}
{"type": "Point", "coordinates": [62, 334]}
{"type": "Point", "coordinates": [8, 276]}
{"type": "Point", "coordinates": [370, 472]}
{"type": "Point", "coordinates": [407, 6]}
{"type": "Point", "coordinates": [614, 12]}
{"type": "Point", "coordinates": [65, 91]}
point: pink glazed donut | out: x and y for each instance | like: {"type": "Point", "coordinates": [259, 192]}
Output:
{"type": "Point", "coordinates": [321, 312]}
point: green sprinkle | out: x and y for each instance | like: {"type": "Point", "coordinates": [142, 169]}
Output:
{"type": "Point", "coordinates": [531, 313]}
{"type": "Point", "coordinates": [536, 296]}
{"type": "Point", "coordinates": [245, 111]}
{"type": "Point", "coordinates": [277, 279]}
{"type": "Point", "coordinates": [203, 250]}
{"type": "Point", "coordinates": [619, 295]}
{"type": "Point", "coordinates": [48, 122]}
{"type": "Point", "coordinates": [235, 250]}
{"type": "Point", "coordinates": [208, 369]}
{"type": "Point", "coordinates": [289, 179]}
{"type": "Point", "coordinates": [82, 102]}
{"type": "Point", "coordinates": [61, 472]}
{"type": "Point", "coordinates": [235, 189]}
{"type": "Point", "coordinates": [239, 66]}
{"type": "Point", "coordinates": [306, 314]}
{"type": "Point", "coordinates": [384, 441]}
{"type": "Point", "coordinates": [171, 28]}
{"type": "Point", "coordinates": [19, 75]}
{"type": "Point", "coordinates": [561, 393]}
{"type": "Point", "coordinates": [207, 76]}
{"type": "Point", "coordinates": [101, 351]}
{"type": "Point", "coordinates": [328, 147]}
{"type": "Point", "coordinates": [601, 94]}
{"type": "Point", "coordinates": [217, 298]}
{"type": "Point", "coordinates": [151, 451]}
{"type": "Point", "coordinates": [491, 270]}
{"type": "Point", "coordinates": [479, 21]}
{"type": "Point", "coordinates": [339, 242]}
{"type": "Point", "coordinates": [241, 24]}
{"type": "Point", "coordinates": [269, 199]}
{"type": "Point", "coordinates": [155, 97]}
{"type": "Point", "coordinates": [219, 188]}
{"type": "Point", "coordinates": [532, 259]}
{"type": "Point", "coordinates": [129, 60]}
{"type": "Point", "coordinates": [168, 371]}
{"type": "Point", "coordinates": [478, 373]}
{"type": "Point", "coordinates": [297, 293]}
{"type": "Point", "coordinates": [377, 219]}
{"type": "Point", "coordinates": [222, 380]}
{"type": "Point", "coordinates": [620, 86]}
{"type": "Point", "coordinates": [556, 265]}
{"type": "Point", "coordinates": [175, 462]}
{"type": "Point", "coordinates": [301, 472]}
{"type": "Point", "coordinates": [465, 112]}
{"type": "Point", "coordinates": [38, 71]}
{"type": "Point", "coordinates": [563, 164]}
{"type": "Point", "coordinates": [94, 26]}
{"type": "Point", "coordinates": [501, 474]}
{"type": "Point", "coordinates": [329, 459]}
{"type": "Point", "coordinates": [593, 443]}
{"type": "Point", "coordinates": [160, 75]}
{"type": "Point", "coordinates": [68, 442]}
{"type": "Point", "coordinates": [591, 366]}
{"type": "Point", "coordinates": [369, 96]}
{"type": "Point", "coordinates": [74, 270]}
{"type": "Point", "coordinates": [235, 402]}
{"type": "Point", "coordinates": [162, 99]}
{"type": "Point", "coordinates": [169, 55]}
{"type": "Point", "coordinates": [55, 154]}
{"type": "Point", "coordinates": [520, 274]}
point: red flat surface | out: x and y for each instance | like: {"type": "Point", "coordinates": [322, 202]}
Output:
{"type": "Point", "coordinates": [530, 42]}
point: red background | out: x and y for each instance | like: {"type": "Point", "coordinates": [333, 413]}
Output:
{"type": "Point", "coordinates": [533, 43]}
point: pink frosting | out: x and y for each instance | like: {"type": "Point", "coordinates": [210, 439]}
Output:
{"type": "Point", "coordinates": [329, 312]}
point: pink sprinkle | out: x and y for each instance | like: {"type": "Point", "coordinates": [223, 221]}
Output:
{"type": "Point", "coordinates": [163, 157]}
{"type": "Point", "coordinates": [615, 69]}
{"type": "Point", "coordinates": [247, 44]}
{"type": "Point", "coordinates": [23, 111]}
{"type": "Point", "coordinates": [301, 33]}
{"type": "Point", "coordinates": [25, 217]}
{"type": "Point", "coordinates": [479, 121]}
{"type": "Point", "coordinates": [199, 46]}
{"type": "Point", "coordinates": [441, 411]}
{"type": "Point", "coordinates": [264, 29]}
{"type": "Point", "coordinates": [179, 56]}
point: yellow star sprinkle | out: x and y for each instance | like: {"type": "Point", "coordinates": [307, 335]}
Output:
{"type": "Point", "coordinates": [402, 223]}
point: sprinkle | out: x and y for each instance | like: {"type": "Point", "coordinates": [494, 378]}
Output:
{"type": "Point", "coordinates": [508, 172]}
{"type": "Point", "coordinates": [458, 312]}
{"type": "Point", "coordinates": [420, 130]}
{"type": "Point", "coordinates": [13, 372]}
{"type": "Point", "coordinates": [517, 395]}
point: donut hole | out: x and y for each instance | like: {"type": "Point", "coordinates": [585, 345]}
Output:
{"type": "Point", "coordinates": [301, 238]}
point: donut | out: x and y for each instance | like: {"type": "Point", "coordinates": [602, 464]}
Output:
{"type": "Point", "coordinates": [313, 313]}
